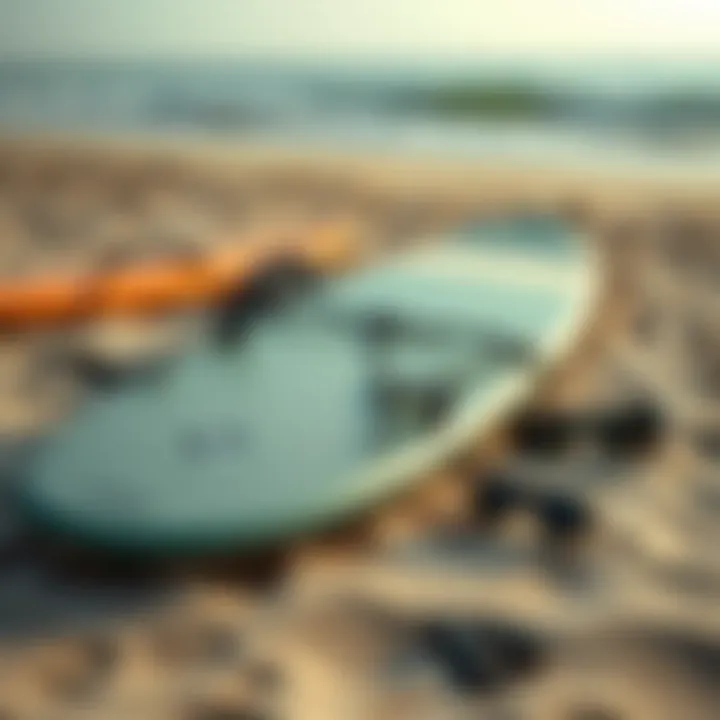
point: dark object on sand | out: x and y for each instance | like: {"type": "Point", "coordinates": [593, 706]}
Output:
{"type": "Point", "coordinates": [630, 430]}
{"type": "Point", "coordinates": [496, 496]}
{"type": "Point", "coordinates": [483, 656]}
{"type": "Point", "coordinates": [545, 432]}
{"type": "Point", "coordinates": [564, 517]}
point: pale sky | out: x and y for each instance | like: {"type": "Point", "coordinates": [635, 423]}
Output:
{"type": "Point", "coordinates": [412, 28]}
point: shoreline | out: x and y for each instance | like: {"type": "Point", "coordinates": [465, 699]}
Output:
{"type": "Point", "coordinates": [530, 180]}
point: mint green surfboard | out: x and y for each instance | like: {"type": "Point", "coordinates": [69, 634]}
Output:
{"type": "Point", "coordinates": [322, 405]}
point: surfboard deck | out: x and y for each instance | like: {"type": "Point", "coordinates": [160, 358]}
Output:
{"type": "Point", "coordinates": [321, 406]}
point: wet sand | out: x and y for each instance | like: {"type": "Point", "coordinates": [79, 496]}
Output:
{"type": "Point", "coordinates": [627, 617]}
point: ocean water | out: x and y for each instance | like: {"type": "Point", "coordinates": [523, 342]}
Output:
{"type": "Point", "coordinates": [646, 115]}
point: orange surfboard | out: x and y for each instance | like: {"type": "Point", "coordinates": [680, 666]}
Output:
{"type": "Point", "coordinates": [163, 285]}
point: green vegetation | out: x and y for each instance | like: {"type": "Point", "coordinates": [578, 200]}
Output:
{"type": "Point", "coordinates": [499, 101]}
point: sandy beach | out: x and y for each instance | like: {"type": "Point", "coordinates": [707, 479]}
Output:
{"type": "Point", "coordinates": [626, 619]}
{"type": "Point", "coordinates": [514, 178]}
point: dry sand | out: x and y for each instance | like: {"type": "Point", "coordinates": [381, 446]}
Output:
{"type": "Point", "coordinates": [629, 617]}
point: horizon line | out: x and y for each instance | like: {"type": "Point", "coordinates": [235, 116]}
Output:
{"type": "Point", "coordinates": [373, 58]}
